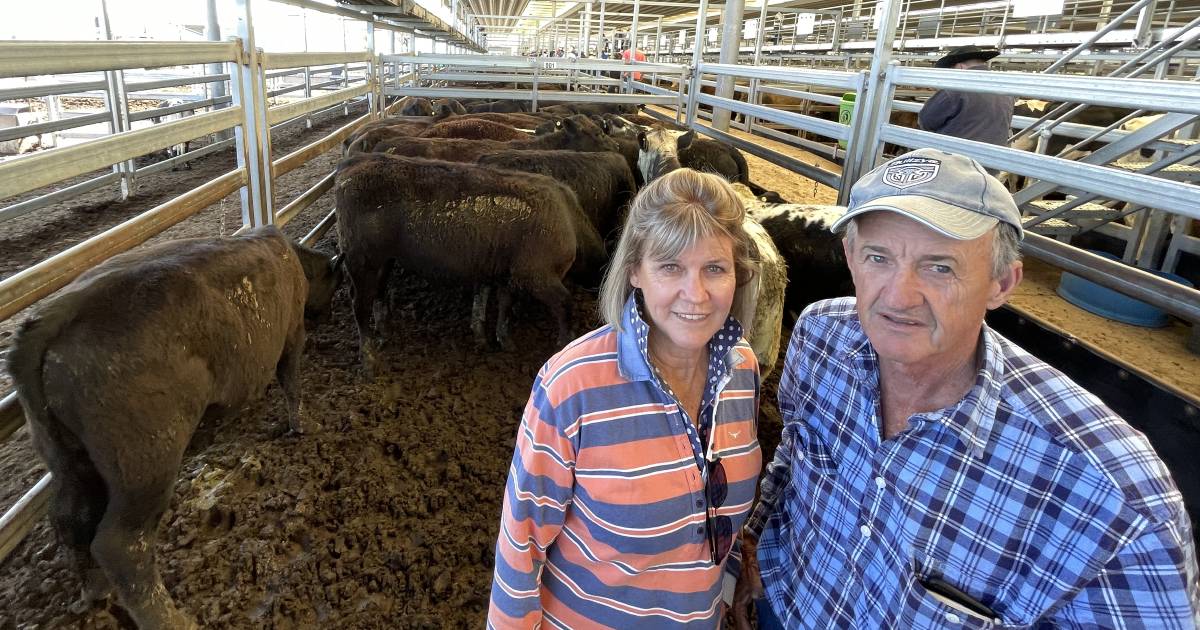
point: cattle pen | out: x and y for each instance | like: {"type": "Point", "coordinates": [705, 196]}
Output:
{"type": "Point", "coordinates": [374, 522]}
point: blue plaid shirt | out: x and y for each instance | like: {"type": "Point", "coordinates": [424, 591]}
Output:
{"type": "Point", "coordinates": [1029, 495]}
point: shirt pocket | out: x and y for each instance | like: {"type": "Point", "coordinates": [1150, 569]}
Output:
{"type": "Point", "coordinates": [921, 608]}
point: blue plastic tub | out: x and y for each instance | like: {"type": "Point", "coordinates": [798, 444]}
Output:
{"type": "Point", "coordinates": [1108, 303]}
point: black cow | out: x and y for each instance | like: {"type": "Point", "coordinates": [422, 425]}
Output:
{"type": "Point", "coordinates": [115, 372]}
{"type": "Point", "coordinates": [662, 150]}
{"type": "Point", "coordinates": [590, 109]}
{"type": "Point", "coordinates": [602, 182]}
{"type": "Point", "coordinates": [815, 259]}
{"type": "Point", "coordinates": [482, 226]}
{"type": "Point", "coordinates": [501, 106]}
{"type": "Point", "coordinates": [573, 135]}
{"type": "Point", "coordinates": [474, 129]}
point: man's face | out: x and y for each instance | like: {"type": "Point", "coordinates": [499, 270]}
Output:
{"type": "Point", "coordinates": [921, 295]}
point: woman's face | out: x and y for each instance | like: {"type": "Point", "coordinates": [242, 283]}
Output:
{"type": "Point", "coordinates": [688, 297]}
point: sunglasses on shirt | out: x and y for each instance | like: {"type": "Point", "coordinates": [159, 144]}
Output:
{"type": "Point", "coordinates": [720, 527]}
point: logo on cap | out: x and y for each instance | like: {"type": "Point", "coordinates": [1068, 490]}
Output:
{"type": "Point", "coordinates": [908, 172]}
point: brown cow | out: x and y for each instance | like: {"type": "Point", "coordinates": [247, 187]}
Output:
{"type": "Point", "coordinates": [116, 371]}
{"type": "Point", "coordinates": [574, 135]}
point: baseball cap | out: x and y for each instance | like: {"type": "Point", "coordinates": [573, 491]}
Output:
{"type": "Point", "coordinates": [949, 193]}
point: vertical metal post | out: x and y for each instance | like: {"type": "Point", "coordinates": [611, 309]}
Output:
{"type": "Point", "coordinates": [603, 45]}
{"type": "Point", "coordinates": [836, 45]}
{"type": "Point", "coordinates": [117, 102]}
{"type": "Point", "coordinates": [752, 97]}
{"type": "Point", "coordinates": [633, 30]}
{"type": "Point", "coordinates": [253, 136]}
{"type": "Point", "coordinates": [657, 43]}
{"type": "Point", "coordinates": [374, 86]}
{"type": "Point", "coordinates": [731, 39]}
{"type": "Point", "coordinates": [212, 33]}
{"type": "Point", "coordinates": [693, 91]}
{"type": "Point", "coordinates": [1144, 36]}
{"type": "Point", "coordinates": [587, 31]}
{"type": "Point", "coordinates": [872, 105]}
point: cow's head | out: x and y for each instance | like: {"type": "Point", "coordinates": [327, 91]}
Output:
{"type": "Point", "coordinates": [581, 134]}
{"type": "Point", "coordinates": [324, 276]}
{"type": "Point", "coordinates": [658, 151]}
{"type": "Point", "coordinates": [619, 127]}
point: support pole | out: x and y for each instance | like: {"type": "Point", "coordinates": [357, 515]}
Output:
{"type": "Point", "coordinates": [731, 38]}
{"type": "Point", "coordinates": [697, 59]}
{"type": "Point", "coordinates": [117, 102]}
{"type": "Point", "coordinates": [752, 96]}
{"type": "Point", "coordinates": [603, 44]}
{"type": "Point", "coordinates": [872, 106]}
{"type": "Point", "coordinates": [212, 32]}
{"type": "Point", "coordinates": [253, 136]}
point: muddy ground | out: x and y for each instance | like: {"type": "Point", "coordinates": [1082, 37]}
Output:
{"type": "Point", "coordinates": [385, 519]}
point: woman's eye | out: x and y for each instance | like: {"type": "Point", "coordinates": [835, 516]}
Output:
{"type": "Point", "coordinates": [669, 267]}
{"type": "Point", "coordinates": [716, 269]}
{"type": "Point", "coordinates": [941, 269]}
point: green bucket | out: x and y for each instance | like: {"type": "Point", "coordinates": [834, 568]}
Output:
{"type": "Point", "coordinates": [846, 113]}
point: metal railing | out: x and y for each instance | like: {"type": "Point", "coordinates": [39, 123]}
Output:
{"type": "Point", "coordinates": [248, 115]}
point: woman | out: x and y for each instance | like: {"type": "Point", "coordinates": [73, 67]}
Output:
{"type": "Point", "coordinates": [637, 456]}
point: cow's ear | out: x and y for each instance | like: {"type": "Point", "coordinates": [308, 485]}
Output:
{"type": "Point", "coordinates": [337, 261]}
{"type": "Point", "coordinates": [558, 124]}
{"type": "Point", "coordinates": [686, 139]}
{"type": "Point", "coordinates": [605, 125]}
{"type": "Point", "coordinates": [570, 124]}
{"type": "Point", "coordinates": [642, 140]}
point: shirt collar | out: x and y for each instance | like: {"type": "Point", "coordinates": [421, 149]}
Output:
{"type": "Point", "coordinates": [973, 416]}
{"type": "Point", "coordinates": [633, 359]}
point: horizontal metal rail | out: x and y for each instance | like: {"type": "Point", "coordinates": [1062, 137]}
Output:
{"type": "Point", "coordinates": [1148, 94]}
{"type": "Point", "coordinates": [299, 108]}
{"type": "Point", "coordinates": [653, 89]}
{"type": "Point", "coordinates": [1171, 297]}
{"type": "Point", "coordinates": [321, 228]}
{"type": "Point", "coordinates": [518, 78]}
{"type": "Point", "coordinates": [850, 81]}
{"type": "Point", "coordinates": [821, 176]}
{"type": "Point", "coordinates": [524, 95]}
{"type": "Point", "coordinates": [20, 518]}
{"type": "Point", "coordinates": [824, 127]}
{"type": "Point", "coordinates": [306, 199]}
{"type": "Point", "coordinates": [31, 172]}
{"type": "Point", "coordinates": [273, 61]}
{"type": "Point", "coordinates": [31, 58]}
{"type": "Point", "coordinates": [80, 87]}
{"type": "Point", "coordinates": [54, 125]}
{"type": "Point", "coordinates": [1146, 190]}
{"type": "Point", "coordinates": [11, 415]}
{"type": "Point", "coordinates": [307, 152]}
{"type": "Point", "coordinates": [30, 205]}
{"type": "Point", "coordinates": [556, 63]}
{"type": "Point", "coordinates": [186, 157]}
{"type": "Point", "coordinates": [29, 285]}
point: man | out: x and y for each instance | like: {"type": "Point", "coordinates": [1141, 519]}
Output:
{"type": "Point", "coordinates": [631, 56]}
{"type": "Point", "coordinates": [933, 474]}
{"type": "Point", "coordinates": [969, 115]}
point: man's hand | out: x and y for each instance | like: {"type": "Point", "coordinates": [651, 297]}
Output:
{"type": "Point", "coordinates": [749, 586]}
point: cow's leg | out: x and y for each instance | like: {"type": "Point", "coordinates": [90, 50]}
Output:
{"type": "Point", "coordinates": [364, 287]}
{"type": "Point", "coordinates": [549, 290]}
{"type": "Point", "coordinates": [126, 537]}
{"type": "Point", "coordinates": [80, 497]}
{"type": "Point", "coordinates": [504, 318]}
{"type": "Point", "coordinates": [479, 315]}
{"type": "Point", "coordinates": [383, 307]}
{"type": "Point", "coordinates": [287, 371]}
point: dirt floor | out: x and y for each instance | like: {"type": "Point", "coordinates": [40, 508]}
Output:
{"type": "Point", "coordinates": [385, 519]}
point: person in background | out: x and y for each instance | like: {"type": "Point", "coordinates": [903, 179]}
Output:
{"type": "Point", "coordinates": [637, 456]}
{"type": "Point", "coordinates": [930, 472]}
{"type": "Point", "coordinates": [634, 55]}
{"type": "Point", "coordinates": [970, 115]}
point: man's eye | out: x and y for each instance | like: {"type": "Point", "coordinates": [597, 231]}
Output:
{"type": "Point", "coordinates": [876, 258]}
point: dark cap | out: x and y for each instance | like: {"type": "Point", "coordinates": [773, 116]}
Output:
{"type": "Point", "coordinates": [965, 53]}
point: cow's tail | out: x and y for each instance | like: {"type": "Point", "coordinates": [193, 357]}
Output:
{"type": "Point", "coordinates": [27, 356]}
{"type": "Point", "coordinates": [742, 167]}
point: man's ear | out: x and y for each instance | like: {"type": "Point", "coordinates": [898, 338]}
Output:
{"type": "Point", "coordinates": [1005, 285]}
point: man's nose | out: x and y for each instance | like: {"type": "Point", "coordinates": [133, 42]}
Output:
{"type": "Point", "coordinates": [903, 291]}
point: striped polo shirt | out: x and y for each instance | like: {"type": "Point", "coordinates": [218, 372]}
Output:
{"type": "Point", "coordinates": [605, 508]}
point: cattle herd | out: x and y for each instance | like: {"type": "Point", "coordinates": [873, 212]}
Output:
{"type": "Point", "coordinates": [116, 371]}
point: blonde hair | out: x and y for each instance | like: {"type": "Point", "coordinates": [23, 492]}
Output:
{"type": "Point", "coordinates": [669, 215]}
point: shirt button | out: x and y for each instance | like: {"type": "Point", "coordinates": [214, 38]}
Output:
{"type": "Point", "coordinates": [699, 502]}
{"type": "Point", "coordinates": [880, 483]}
{"type": "Point", "coordinates": [953, 618]}
{"type": "Point", "coordinates": [866, 531]}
